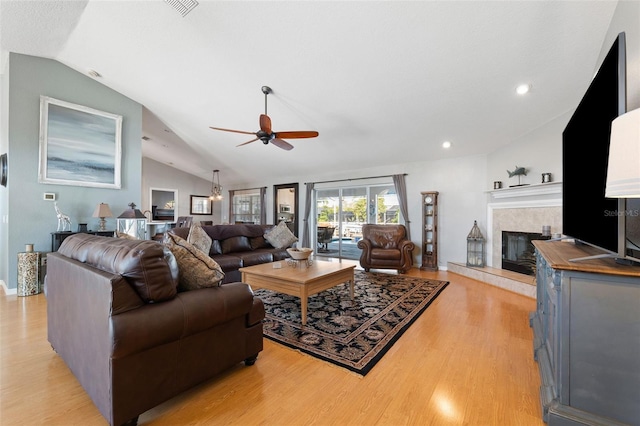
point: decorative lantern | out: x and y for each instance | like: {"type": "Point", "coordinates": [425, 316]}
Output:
{"type": "Point", "coordinates": [132, 222]}
{"type": "Point", "coordinates": [475, 247]}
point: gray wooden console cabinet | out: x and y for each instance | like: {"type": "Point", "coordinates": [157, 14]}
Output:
{"type": "Point", "coordinates": [586, 331]}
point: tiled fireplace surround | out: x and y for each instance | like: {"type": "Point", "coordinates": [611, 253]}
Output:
{"type": "Point", "coordinates": [525, 209]}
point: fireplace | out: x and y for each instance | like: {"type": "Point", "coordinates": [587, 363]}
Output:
{"type": "Point", "coordinates": [518, 251]}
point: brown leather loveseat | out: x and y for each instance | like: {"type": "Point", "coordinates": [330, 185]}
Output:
{"type": "Point", "coordinates": [386, 247]}
{"type": "Point", "coordinates": [132, 340]}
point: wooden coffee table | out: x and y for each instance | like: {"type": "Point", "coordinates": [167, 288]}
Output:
{"type": "Point", "coordinates": [301, 281]}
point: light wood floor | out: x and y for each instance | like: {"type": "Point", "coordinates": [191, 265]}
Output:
{"type": "Point", "coordinates": [466, 361]}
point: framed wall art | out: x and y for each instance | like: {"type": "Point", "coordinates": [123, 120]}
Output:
{"type": "Point", "coordinates": [201, 204]}
{"type": "Point", "coordinates": [79, 146]}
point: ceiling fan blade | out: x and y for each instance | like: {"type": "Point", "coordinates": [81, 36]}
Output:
{"type": "Point", "coordinates": [282, 144]}
{"type": "Point", "coordinates": [244, 143]}
{"type": "Point", "coordinates": [265, 123]}
{"type": "Point", "coordinates": [234, 131]}
{"type": "Point", "coordinates": [297, 134]}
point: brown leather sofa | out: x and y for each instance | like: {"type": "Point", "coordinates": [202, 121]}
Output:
{"type": "Point", "coordinates": [236, 246]}
{"type": "Point", "coordinates": [386, 247]}
{"type": "Point", "coordinates": [132, 340]}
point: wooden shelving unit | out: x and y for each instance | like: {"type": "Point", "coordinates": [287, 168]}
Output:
{"type": "Point", "coordinates": [429, 231]}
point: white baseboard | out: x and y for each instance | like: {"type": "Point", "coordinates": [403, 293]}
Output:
{"type": "Point", "coordinates": [8, 291]}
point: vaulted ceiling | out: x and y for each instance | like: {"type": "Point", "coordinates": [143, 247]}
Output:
{"type": "Point", "coordinates": [383, 82]}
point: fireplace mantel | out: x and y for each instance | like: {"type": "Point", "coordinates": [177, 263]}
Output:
{"type": "Point", "coordinates": [517, 202]}
{"type": "Point", "coordinates": [538, 190]}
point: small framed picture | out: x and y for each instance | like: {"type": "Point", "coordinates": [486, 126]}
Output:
{"type": "Point", "coordinates": [201, 204]}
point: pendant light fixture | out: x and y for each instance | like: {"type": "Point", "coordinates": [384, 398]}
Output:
{"type": "Point", "coordinates": [216, 188]}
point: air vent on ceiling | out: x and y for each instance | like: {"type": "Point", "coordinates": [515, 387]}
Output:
{"type": "Point", "coordinates": [182, 6]}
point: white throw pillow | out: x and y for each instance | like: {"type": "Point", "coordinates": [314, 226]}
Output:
{"type": "Point", "coordinates": [280, 236]}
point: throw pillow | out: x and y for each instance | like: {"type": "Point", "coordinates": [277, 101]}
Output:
{"type": "Point", "coordinates": [258, 242]}
{"type": "Point", "coordinates": [199, 238]}
{"type": "Point", "coordinates": [196, 269]}
{"type": "Point", "coordinates": [125, 236]}
{"type": "Point", "coordinates": [280, 236]}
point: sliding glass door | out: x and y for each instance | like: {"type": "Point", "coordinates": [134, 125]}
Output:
{"type": "Point", "coordinates": [341, 212]}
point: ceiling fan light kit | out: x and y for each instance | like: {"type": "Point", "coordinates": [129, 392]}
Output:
{"type": "Point", "coordinates": [267, 135]}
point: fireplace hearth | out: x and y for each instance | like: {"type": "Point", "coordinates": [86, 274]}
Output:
{"type": "Point", "coordinates": [518, 251]}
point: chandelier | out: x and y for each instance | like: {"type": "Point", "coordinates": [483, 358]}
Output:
{"type": "Point", "coordinates": [216, 188]}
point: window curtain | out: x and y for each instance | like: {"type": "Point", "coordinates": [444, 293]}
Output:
{"type": "Point", "coordinates": [231, 194]}
{"type": "Point", "coordinates": [263, 205]}
{"type": "Point", "coordinates": [401, 192]}
{"type": "Point", "coordinates": [306, 240]}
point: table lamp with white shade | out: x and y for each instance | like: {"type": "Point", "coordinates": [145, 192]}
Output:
{"type": "Point", "coordinates": [623, 171]}
{"type": "Point", "coordinates": [102, 210]}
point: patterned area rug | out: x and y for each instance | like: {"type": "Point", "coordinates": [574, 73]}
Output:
{"type": "Point", "coordinates": [352, 334]}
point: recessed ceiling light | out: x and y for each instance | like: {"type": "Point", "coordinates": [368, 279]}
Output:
{"type": "Point", "coordinates": [446, 144]}
{"type": "Point", "coordinates": [523, 89]}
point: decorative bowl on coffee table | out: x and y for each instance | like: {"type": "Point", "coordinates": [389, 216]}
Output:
{"type": "Point", "coordinates": [302, 253]}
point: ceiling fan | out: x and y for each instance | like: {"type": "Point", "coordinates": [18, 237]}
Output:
{"type": "Point", "coordinates": [266, 134]}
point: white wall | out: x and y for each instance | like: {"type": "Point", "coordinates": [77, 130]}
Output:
{"type": "Point", "coordinates": [627, 18]}
{"type": "Point", "coordinates": [462, 198]}
{"type": "Point", "coordinates": [464, 183]}
{"type": "Point", "coordinates": [539, 151]}
{"type": "Point", "coordinates": [4, 148]}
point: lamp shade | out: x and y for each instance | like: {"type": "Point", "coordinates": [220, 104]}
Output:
{"type": "Point", "coordinates": [623, 173]}
{"type": "Point", "coordinates": [102, 210]}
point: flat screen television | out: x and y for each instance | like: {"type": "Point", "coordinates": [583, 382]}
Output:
{"type": "Point", "coordinates": [587, 216]}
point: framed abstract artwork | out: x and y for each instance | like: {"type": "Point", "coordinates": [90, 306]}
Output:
{"type": "Point", "coordinates": [79, 146]}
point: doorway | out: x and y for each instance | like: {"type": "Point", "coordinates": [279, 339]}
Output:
{"type": "Point", "coordinates": [163, 205]}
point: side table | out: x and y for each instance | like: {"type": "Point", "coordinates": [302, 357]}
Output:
{"type": "Point", "coordinates": [28, 273]}
{"type": "Point", "coordinates": [58, 237]}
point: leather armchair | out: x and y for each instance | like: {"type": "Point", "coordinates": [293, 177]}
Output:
{"type": "Point", "coordinates": [386, 247]}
